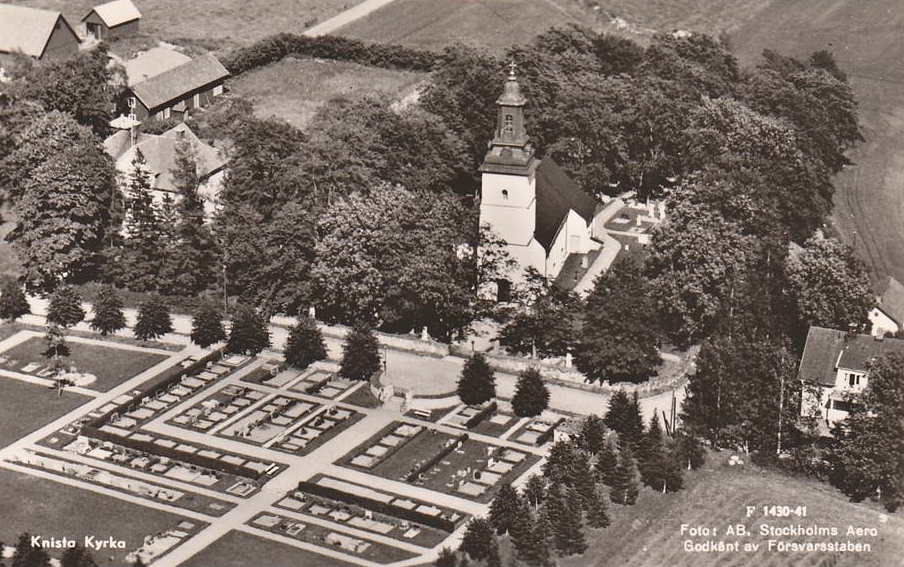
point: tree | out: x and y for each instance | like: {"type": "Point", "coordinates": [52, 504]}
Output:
{"type": "Point", "coordinates": [542, 540]}
{"type": "Point", "coordinates": [689, 450]}
{"type": "Point", "coordinates": [505, 509]}
{"type": "Point", "coordinates": [249, 333]}
{"type": "Point", "coordinates": [493, 559]}
{"type": "Point", "coordinates": [305, 343]}
{"type": "Point", "coordinates": [534, 490]}
{"type": "Point", "coordinates": [77, 556]}
{"type": "Point", "coordinates": [108, 315]}
{"type": "Point", "coordinates": [867, 457]}
{"type": "Point", "coordinates": [28, 555]}
{"type": "Point", "coordinates": [606, 464]}
{"type": "Point", "coordinates": [65, 307]}
{"type": "Point", "coordinates": [478, 539]}
{"type": "Point", "coordinates": [829, 285]}
{"type": "Point", "coordinates": [360, 354]}
{"type": "Point", "coordinates": [624, 489]}
{"type": "Point", "coordinates": [619, 341]}
{"type": "Point", "coordinates": [56, 350]}
{"type": "Point", "coordinates": [564, 505]}
{"type": "Point", "coordinates": [207, 325]}
{"type": "Point", "coordinates": [659, 469]}
{"type": "Point", "coordinates": [623, 416]}
{"type": "Point", "coordinates": [446, 558]}
{"type": "Point", "coordinates": [557, 468]}
{"type": "Point", "coordinates": [597, 511]}
{"type": "Point", "coordinates": [154, 320]}
{"type": "Point", "coordinates": [546, 327]}
{"type": "Point", "coordinates": [477, 384]}
{"type": "Point", "coordinates": [593, 434]}
{"type": "Point", "coordinates": [521, 532]}
{"type": "Point", "coordinates": [13, 303]}
{"type": "Point", "coordinates": [531, 394]}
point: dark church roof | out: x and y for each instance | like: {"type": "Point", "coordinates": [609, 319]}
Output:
{"type": "Point", "coordinates": [557, 193]}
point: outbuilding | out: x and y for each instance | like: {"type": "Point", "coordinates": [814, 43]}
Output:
{"type": "Point", "coordinates": [113, 19]}
{"type": "Point", "coordinates": [41, 34]}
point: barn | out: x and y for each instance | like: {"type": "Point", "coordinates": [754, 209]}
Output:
{"type": "Point", "coordinates": [175, 92]}
{"type": "Point", "coordinates": [113, 19]}
{"type": "Point", "coordinates": [42, 34]}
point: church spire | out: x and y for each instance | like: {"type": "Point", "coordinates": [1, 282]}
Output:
{"type": "Point", "coordinates": [511, 145]}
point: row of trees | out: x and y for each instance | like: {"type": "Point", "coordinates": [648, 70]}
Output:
{"type": "Point", "coordinates": [27, 555]}
{"type": "Point", "coordinates": [477, 385]}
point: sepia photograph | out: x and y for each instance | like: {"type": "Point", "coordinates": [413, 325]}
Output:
{"type": "Point", "coordinates": [452, 283]}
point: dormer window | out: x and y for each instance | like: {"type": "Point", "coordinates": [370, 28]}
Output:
{"type": "Point", "coordinates": [508, 125]}
{"type": "Point", "coordinates": [505, 194]}
{"type": "Point", "coordinates": [853, 380]}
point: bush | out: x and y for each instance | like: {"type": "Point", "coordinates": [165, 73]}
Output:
{"type": "Point", "coordinates": [13, 303]}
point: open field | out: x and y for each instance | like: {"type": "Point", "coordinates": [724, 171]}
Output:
{"type": "Point", "coordinates": [493, 24]}
{"type": "Point", "coordinates": [26, 407]}
{"type": "Point", "coordinates": [293, 89]}
{"type": "Point", "coordinates": [41, 506]}
{"type": "Point", "coordinates": [239, 549]}
{"type": "Point", "coordinates": [649, 533]}
{"type": "Point", "coordinates": [223, 22]}
{"type": "Point", "coordinates": [111, 365]}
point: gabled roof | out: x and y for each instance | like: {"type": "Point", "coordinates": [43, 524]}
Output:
{"type": "Point", "coordinates": [176, 83]}
{"type": "Point", "coordinates": [160, 154]}
{"type": "Point", "coordinates": [827, 350]}
{"type": "Point", "coordinates": [27, 29]}
{"type": "Point", "coordinates": [891, 299]}
{"type": "Point", "coordinates": [152, 63]}
{"type": "Point", "coordinates": [557, 194]}
{"type": "Point", "coordinates": [116, 13]}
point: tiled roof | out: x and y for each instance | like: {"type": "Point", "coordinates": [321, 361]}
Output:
{"type": "Point", "coordinates": [891, 299]}
{"type": "Point", "coordinates": [176, 83]}
{"type": "Point", "coordinates": [827, 350]}
{"type": "Point", "coordinates": [116, 12]}
{"type": "Point", "coordinates": [557, 194]}
{"type": "Point", "coordinates": [152, 63]}
{"type": "Point", "coordinates": [26, 29]}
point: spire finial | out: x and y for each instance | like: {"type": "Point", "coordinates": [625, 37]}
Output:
{"type": "Point", "coordinates": [512, 66]}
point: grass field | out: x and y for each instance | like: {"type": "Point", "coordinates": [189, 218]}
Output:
{"type": "Point", "coordinates": [111, 365]}
{"type": "Point", "coordinates": [493, 24]}
{"type": "Point", "coordinates": [239, 549]}
{"type": "Point", "coordinates": [41, 506]}
{"type": "Point", "coordinates": [649, 533]}
{"type": "Point", "coordinates": [27, 407]}
{"type": "Point", "coordinates": [293, 89]}
{"type": "Point", "coordinates": [222, 22]}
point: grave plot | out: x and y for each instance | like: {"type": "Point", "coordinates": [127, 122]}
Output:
{"type": "Point", "coordinates": [315, 430]}
{"type": "Point", "coordinates": [536, 432]}
{"type": "Point", "coordinates": [322, 536]}
{"type": "Point", "coordinates": [216, 408]}
{"type": "Point", "coordinates": [270, 418]}
{"type": "Point", "coordinates": [490, 420]}
{"type": "Point", "coordinates": [385, 443]}
{"type": "Point", "coordinates": [323, 382]}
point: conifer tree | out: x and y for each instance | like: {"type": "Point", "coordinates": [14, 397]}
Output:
{"type": "Point", "coordinates": [522, 533]}
{"type": "Point", "coordinates": [154, 320]}
{"type": "Point", "coordinates": [558, 462]}
{"type": "Point", "coordinates": [28, 555]}
{"type": "Point", "coordinates": [607, 463]}
{"type": "Point", "coordinates": [65, 308]}
{"type": "Point", "coordinates": [77, 556]}
{"type": "Point", "coordinates": [564, 507]}
{"type": "Point", "coordinates": [305, 343]}
{"type": "Point", "coordinates": [580, 477]}
{"type": "Point", "coordinates": [493, 559]}
{"type": "Point", "coordinates": [446, 558]}
{"type": "Point", "coordinates": [618, 411]}
{"type": "Point", "coordinates": [477, 384]}
{"type": "Point", "coordinates": [108, 315]}
{"type": "Point", "coordinates": [593, 434]}
{"type": "Point", "coordinates": [624, 488]}
{"type": "Point", "coordinates": [13, 303]}
{"type": "Point", "coordinates": [689, 450]}
{"type": "Point", "coordinates": [207, 326]}
{"type": "Point", "coordinates": [531, 394]}
{"type": "Point", "coordinates": [534, 490]}
{"type": "Point", "coordinates": [542, 540]}
{"type": "Point", "coordinates": [651, 456]}
{"type": "Point", "coordinates": [360, 354]}
{"type": "Point", "coordinates": [249, 333]}
{"type": "Point", "coordinates": [505, 508]}
{"type": "Point", "coordinates": [140, 265]}
{"type": "Point", "coordinates": [478, 539]}
{"type": "Point", "coordinates": [597, 511]}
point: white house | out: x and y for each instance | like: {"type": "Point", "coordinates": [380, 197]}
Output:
{"type": "Point", "coordinates": [887, 316]}
{"type": "Point", "coordinates": [836, 363]}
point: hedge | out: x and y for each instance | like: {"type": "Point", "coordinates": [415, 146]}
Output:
{"type": "Point", "coordinates": [437, 522]}
{"type": "Point", "coordinates": [481, 415]}
{"type": "Point", "coordinates": [276, 47]}
{"type": "Point", "coordinates": [172, 453]}
{"type": "Point", "coordinates": [419, 469]}
{"type": "Point", "coordinates": [546, 435]}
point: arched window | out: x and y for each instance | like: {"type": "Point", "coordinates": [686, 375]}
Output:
{"type": "Point", "coordinates": [508, 124]}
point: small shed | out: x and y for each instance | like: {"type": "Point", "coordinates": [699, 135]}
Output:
{"type": "Point", "coordinates": [113, 19]}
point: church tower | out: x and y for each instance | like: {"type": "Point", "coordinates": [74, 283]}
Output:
{"type": "Point", "coordinates": [508, 191]}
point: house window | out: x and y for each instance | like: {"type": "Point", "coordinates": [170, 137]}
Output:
{"type": "Point", "coordinates": [166, 113]}
{"type": "Point", "coordinates": [505, 194]}
{"type": "Point", "coordinates": [508, 124]}
{"type": "Point", "coordinates": [853, 380]}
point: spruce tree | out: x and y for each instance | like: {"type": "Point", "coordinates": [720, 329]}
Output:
{"type": "Point", "coordinates": [607, 464]}
{"type": "Point", "coordinates": [505, 508]}
{"type": "Point", "coordinates": [522, 533]}
{"type": "Point", "coordinates": [140, 265]}
{"type": "Point", "coordinates": [77, 556]}
{"type": "Point", "coordinates": [531, 394]}
{"type": "Point", "coordinates": [154, 320]}
{"type": "Point", "coordinates": [556, 507]}
{"type": "Point", "coordinates": [651, 456]}
{"type": "Point", "coordinates": [542, 540]}
{"type": "Point", "coordinates": [573, 529]}
{"type": "Point", "coordinates": [446, 558]}
{"type": "Point", "coordinates": [597, 511]}
{"type": "Point", "coordinates": [534, 490]}
{"type": "Point", "coordinates": [493, 559]}
{"type": "Point", "coordinates": [249, 334]}
{"type": "Point", "coordinates": [477, 539]}
{"type": "Point", "coordinates": [593, 434]}
{"type": "Point", "coordinates": [618, 412]}
{"type": "Point", "coordinates": [558, 462]}
{"type": "Point", "coordinates": [689, 450]}
{"type": "Point", "coordinates": [13, 303]}
{"type": "Point", "coordinates": [108, 315]}
{"type": "Point", "coordinates": [624, 488]}
{"type": "Point", "coordinates": [65, 308]}
{"type": "Point", "coordinates": [477, 384]}
{"type": "Point", "coordinates": [27, 555]}
{"type": "Point", "coordinates": [305, 343]}
{"type": "Point", "coordinates": [207, 325]}
{"type": "Point", "coordinates": [580, 477]}
{"type": "Point", "coordinates": [360, 353]}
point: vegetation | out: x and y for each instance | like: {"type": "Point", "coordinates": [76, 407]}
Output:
{"type": "Point", "coordinates": [207, 325]}
{"type": "Point", "coordinates": [13, 303]}
{"type": "Point", "coordinates": [477, 384]}
{"type": "Point", "coordinates": [305, 343]}
{"type": "Point", "coordinates": [360, 354]}
{"type": "Point", "coordinates": [65, 307]}
{"type": "Point", "coordinates": [108, 315]}
{"type": "Point", "coordinates": [248, 334]}
{"type": "Point", "coordinates": [531, 394]}
{"type": "Point", "coordinates": [154, 320]}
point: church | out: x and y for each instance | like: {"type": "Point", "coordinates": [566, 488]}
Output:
{"type": "Point", "coordinates": [544, 218]}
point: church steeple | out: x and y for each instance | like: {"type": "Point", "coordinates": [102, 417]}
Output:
{"type": "Point", "coordinates": [511, 147]}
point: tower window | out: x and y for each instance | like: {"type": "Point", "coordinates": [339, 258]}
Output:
{"type": "Point", "coordinates": [505, 194]}
{"type": "Point", "coordinates": [508, 124]}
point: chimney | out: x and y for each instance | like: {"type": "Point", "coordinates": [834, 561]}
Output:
{"type": "Point", "coordinates": [852, 331]}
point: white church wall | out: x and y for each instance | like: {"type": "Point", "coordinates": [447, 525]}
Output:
{"type": "Point", "coordinates": [573, 238]}
{"type": "Point", "coordinates": [508, 204]}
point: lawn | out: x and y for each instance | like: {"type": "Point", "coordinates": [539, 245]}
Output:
{"type": "Point", "coordinates": [218, 22]}
{"type": "Point", "coordinates": [493, 24]}
{"type": "Point", "coordinates": [111, 365]}
{"type": "Point", "coordinates": [239, 549]}
{"type": "Point", "coordinates": [649, 533]}
{"type": "Point", "coordinates": [295, 88]}
{"type": "Point", "coordinates": [27, 407]}
{"type": "Point", "coordinates": [44, 507]}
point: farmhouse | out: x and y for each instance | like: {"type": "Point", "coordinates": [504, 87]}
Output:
{"type": "Point", "coordinates": [113, 19]}
{"type": "Point", "coordinates": [42, 34]}
{"type": "Point", "coordinates": [175, 92]}
{"type": "Point", "coordinates": [888, 314]}
{"type": "Point", "coordinates": [836, 363]}
{"type": "Point", "coordinates": [153, 62]}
